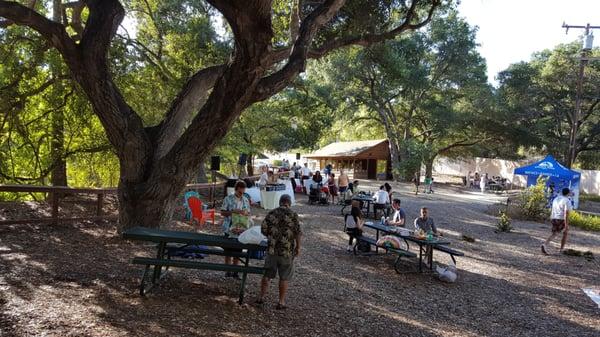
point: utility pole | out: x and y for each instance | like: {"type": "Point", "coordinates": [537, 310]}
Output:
{"type": "Point", "coordinates": [588, 39]}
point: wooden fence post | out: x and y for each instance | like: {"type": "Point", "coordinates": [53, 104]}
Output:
{"type": "Point", "coordinates": [55, 200]}
{"type": "Point", "coordinates": [99, 203]}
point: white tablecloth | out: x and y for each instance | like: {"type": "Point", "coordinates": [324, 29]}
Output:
{"type": "Point", "coordinates": [288, 189]}
{"type": "Point", "coordinates": [270, 199]}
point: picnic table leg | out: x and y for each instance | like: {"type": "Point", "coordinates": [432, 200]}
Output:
{"type": "Point", "coordinates": [244, 274]}
{"type": "Point", "coordinates": [143, 282]}
{"type": "Point", "coordinates": [157, 269]}
{"type": "Point", "coordinates": [430, 257]}
{"type": "Point", "coordinates": [377, 238]}
{"type": "Point", "coordinates": [420, 258]}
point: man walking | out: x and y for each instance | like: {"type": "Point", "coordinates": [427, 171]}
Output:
{"type": "Point", "coordinates": [282, 229]}
{"type": "Point", "coordinates": [561, 206]}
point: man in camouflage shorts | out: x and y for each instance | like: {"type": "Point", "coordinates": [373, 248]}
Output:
{"type": "Point", "coordinates": [282, 228]}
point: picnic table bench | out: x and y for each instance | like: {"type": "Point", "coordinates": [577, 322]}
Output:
{"type": "Point", "coordinates": [437, 244]}
{"type": "Point", "coordinates": [216, 245]}
{"type": "Point", "coordinates": [398, 251]}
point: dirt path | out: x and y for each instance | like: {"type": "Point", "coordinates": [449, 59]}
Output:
{"type": "Point", "coordinates": [76, 280]}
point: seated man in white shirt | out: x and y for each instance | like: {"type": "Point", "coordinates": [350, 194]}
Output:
{"type": "Point", "coordinates": [398, 217]}
{"type": "Point", "coordinates": [382, 201]}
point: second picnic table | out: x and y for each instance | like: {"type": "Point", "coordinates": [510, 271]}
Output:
{"type": "Point", "coordinates": [422, 243]}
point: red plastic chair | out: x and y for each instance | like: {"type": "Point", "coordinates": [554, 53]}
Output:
{"type": "Point", "coordinates": [200, 216]}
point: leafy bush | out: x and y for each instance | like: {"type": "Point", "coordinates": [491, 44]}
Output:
{"type": "Point", "coordinates": [504, 224]}
{"type": "Point", "coordinates": [277, 162]}
{"type": "Point", "coordinates": [533, 201]}
{"type": "Point", "coordinates": [584, 221]}
{"type": "Point", "coordinates": [589, 197]}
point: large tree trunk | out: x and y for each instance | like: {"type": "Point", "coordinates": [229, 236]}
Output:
{"type": "Point", "coordinates": [250, 165]}
{"type": "Point", "coordinates": [429, 167]}
{"type": "Point", "coordinates": [202, 178]}
{"type": "Point", "coordinates": [395, 159]}
{"type": "Point", "coordinates": [58, 175]}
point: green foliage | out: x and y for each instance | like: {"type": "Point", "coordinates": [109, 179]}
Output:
{"type": "Point", "coordinates": [584, 221]}
{"type": "Point", "coordinates": [504, 223]}
{"type": "Point", "coordinates": [533, 201]}
{"type": "Point", "coordinates": [538, 97]}
{"type": "Point", "coordinates": [414, 152]}
{"type": "Point", "coordinates": [589, 197]}
{"type": "Point", "coordinates": [425, 92]}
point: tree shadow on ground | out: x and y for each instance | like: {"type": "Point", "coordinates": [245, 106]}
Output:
{"type": "Point", "coordinates": [78, 280]}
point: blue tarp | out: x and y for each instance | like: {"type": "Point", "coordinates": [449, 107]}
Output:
{"type": "Point", "coordinates": [558, 177]}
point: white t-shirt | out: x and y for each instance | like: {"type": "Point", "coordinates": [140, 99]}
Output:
{"type": "Point", "coordinates": [560, 205]}
{"type": "Point", "coordinates": [305, 171]}
{"type": "Point", "coordinates": [382, 197]}
{"type": "Point", "coordinates": [264, 179]}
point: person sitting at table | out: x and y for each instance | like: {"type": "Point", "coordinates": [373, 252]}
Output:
{"type": "Point", "coordinates": [353, 186]}
{"type": "Point", "coordinates": [333, 190]}
{"type": "Point", "coordinates": [354, 224]}
{"type": "Point", "coordinates": [271, 178]}
{"type": "Point", "coordinates": [235, 203]}
{"type": "Point", "coordinates": [399, 216]}
{"type": "Point", "coordinates": [381, 201]}
{"type": "Point", "coordinates": [388, 189]}
{"type": "Point", "coordinates": [425, 222]}
{"type": "Point", "coordinates": [318, 178]}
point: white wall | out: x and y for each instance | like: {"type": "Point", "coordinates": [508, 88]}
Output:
{"type": "Point", "coordinates": [589, 183]}
{"type": "Point", "coordinates": [493, 167]}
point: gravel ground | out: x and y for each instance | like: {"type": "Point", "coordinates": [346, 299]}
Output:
{"type": "Point", "coordinates": [76, 280]}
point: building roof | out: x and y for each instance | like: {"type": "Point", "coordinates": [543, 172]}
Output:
{"type": "Point", "coordinates": [356, 149]}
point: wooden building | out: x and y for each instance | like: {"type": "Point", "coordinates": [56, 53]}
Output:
{"type": "Point", "coordinates": [368, 159]}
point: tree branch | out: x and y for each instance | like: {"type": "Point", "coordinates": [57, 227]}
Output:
{"type": "Point", "coordinates": [53, 32]}
{"type": "Point", "coordinates": [189, 101]}
{"type": "Point", "coordinates": [297, 60]}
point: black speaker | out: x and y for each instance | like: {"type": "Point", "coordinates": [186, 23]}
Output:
{"type": "Point", "coordinates": [215, 163]}
{"type": "Point", "coordinates": [243, 159]}
{"type": "Point", "coordinates": [297, 156]}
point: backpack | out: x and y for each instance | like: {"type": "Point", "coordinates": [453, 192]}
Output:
{"type": "Point", "coordinates": [363, 246]}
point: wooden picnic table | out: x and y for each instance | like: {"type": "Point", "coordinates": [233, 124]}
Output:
{"type": "Point", "coordinates": [434, 244]}
{"type": "Point", "coordinates": [216, 245]}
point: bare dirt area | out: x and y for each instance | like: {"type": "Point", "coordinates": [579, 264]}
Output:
{"type": "Point", "coordinates": [77, 280]}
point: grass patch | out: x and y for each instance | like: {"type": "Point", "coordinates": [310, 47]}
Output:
{"type": "Point", "coordinates": [589, 197]}
{"type": "Point", "coordinates": [584, 221]}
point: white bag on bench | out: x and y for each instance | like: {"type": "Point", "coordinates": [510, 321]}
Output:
{"type": "Point", "coordinates": [252, 236]}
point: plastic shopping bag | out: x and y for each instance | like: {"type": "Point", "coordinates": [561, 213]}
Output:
{"type": "Point", "coordinates": [447, 274]}
{"type": "Point", "coordinates": [252, 236]}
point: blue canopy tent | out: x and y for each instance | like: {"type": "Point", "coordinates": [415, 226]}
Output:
{"type": "Point", "coordinates": [558, 176]}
